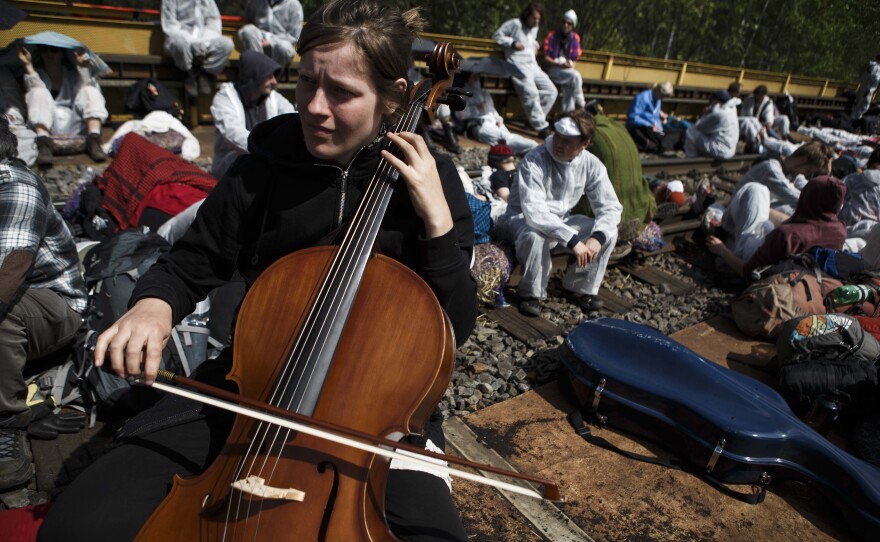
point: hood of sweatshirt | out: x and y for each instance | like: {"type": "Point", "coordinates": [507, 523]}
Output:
{"type": "Point", "coordinates": [253, 69]}
{"type": "Point", "coordinates": [820, 200]}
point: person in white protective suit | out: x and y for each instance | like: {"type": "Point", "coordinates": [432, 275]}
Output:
{"type": "Point", "coordinates": [273, 28]}
{"type": "Point", "coordinates": [717, 132]}
{"type": "Point", "coordinates": [868, 84]}
{"type": "Point", "coordinates": [239, 106]}
{"type": "Point", "coordinates": [519, 38]}
{"type": "Point", "coordinates": [483, 122]}
{"type": "Point", "coordinates": [861, 206]}
{"type": "Point", "coordinates": [63, 98]}
{"type": "Point", "coordinates": [194, 40]}
{"type": "Point", "coordinates": [786, 178]}
{"type": "Point", "coordinates": [549, 183]}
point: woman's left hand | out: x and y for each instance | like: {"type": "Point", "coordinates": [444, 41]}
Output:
{"type": "Point", "coordinates": [419, 171]}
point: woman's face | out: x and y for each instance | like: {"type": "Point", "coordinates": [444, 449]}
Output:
{"type": "Point", "coordinates": [338, 103]}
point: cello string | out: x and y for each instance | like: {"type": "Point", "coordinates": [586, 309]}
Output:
{"type": "Point", "coordinates": [375, 195]}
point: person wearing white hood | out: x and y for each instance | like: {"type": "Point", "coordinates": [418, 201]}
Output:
{"type": "Point", "coordinates": [550, 181]}
{"type": "Point", "coordinates": [519, 38]}
{"type": "Point", "coordinates": [717, 132]}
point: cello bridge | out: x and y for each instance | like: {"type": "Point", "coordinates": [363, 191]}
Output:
{"type": "Point", "coordinates": [256, 486]}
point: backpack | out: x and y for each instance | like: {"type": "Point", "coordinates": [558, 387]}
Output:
{"type": "Point", "coordinates": [112, 269]}
{"type": "Point", "coordinates": [827, 357]}
{"type": "Point", "coordinates": [836, 263]}
{"type": "Point", "coordinates": [768, 303]}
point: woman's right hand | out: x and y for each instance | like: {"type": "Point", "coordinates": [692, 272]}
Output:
{"type": "Point", "coordinates": [135, 342]}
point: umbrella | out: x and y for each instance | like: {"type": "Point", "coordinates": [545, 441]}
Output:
{"type": "Point", "coordinates": [10, 16]}
{"type": "Point", "coordinates": [54, 39]}
{"type": "Point", "coordinates": [488, 65]}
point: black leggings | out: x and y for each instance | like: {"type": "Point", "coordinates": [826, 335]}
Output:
{"type": "Point", "coordinates": [114, 497]}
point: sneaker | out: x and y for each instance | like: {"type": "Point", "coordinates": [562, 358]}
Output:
{"type": "Point", "coordinates": [45, 158]}
{"type": "Point", "coordinates": [666, 209]}
{"type": "Point", "coordinates": [621, 251]}
{"type": "Point", "coordinates": [587, 302]}
{"type": "Point", "coordinates": [545, 132]}
{"type": "Point", "coordinates": [206, 84]}
{"type": "Point", "coordinates": [704, 196]}
{"type": "Point", "coordinates": [530, 306]}
{"type": "Point", "coordinates": [93, 148]}
{"type": "Point", "coordinates": [190, 85]}
{"type": "Point", "coordinates": [15, 458]}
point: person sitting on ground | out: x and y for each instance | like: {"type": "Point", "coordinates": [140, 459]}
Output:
{"type": "Point", "coordinates": [273, 28]}
{"type": "Point", "coordinates": [63, 98]}
{"type": "Point", "coordinates": [536, 91]}
{"type": "Point", "coordinates": [550, 180]}
{"type": "Point", "coordinates": [195, 42]}
{"type": "Point", "coordinates": [785, 178]}
{"type": "Point", "coordinates": [645, 118]}
{"type": "Point", "coordinates": [503, 161]}
{"type": "Point", "coordinates": [868, 83]}
{"type": "Point", "coordinates": [239, 106]}
{"type": "Point", "coordinates": [42, 297]}
{"type": "Point", "coordinates": [813, 224]}
{"type": "Point", "coordinates": [861, 208]}
{"type": "Point", "coordinates": [717, 132]}
{"type": "Point", "coordinates": [562, 48]}
{"type": "Point", "coordinates": [483, 122]}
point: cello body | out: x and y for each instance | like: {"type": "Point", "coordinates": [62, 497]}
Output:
{"type": "Point", "coordinates": [728, 425]}
{"type": "Point", "coordinates": [392, 364]}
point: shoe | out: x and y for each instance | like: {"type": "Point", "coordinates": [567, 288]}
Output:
{"type": "Point", "coordinates": [530, 306]}
{"type": "Point", "coordinates": [15, 458]}
{"type": "Point", "coordinates": [206, 84]}
{"type": "Point", "coordinates": [666, 209]}
{"type": "Point", "coordinates": [190, 85]}
{"type": "Point", "coordinates": [545, 132]}
{"type": "Point", "coordinates": [45, 157]}
{"type": "Point", "coordinates": [450, 140]}
{"type": "Point", "coordinates": [93, 148]}
{"type": "Point", "coordinates": [621, 251]}
{"type": "Point", "coordinates": [587, 303]}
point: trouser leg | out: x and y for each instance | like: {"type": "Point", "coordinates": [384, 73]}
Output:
{"type": "Point", "coordinates": [546, 90]}
{"type": "Point", "coordinates": [251, 38]}
{"type": "Point", "coordinates": [38, 324]}
{"type": "Point", "coordinates": [572, 84]}
{"type": "Point", "coordinates": [533, 253]}
{"type": "Point", "coordinates": [531, 100]}
{"type": "Point", "coordinates": [180, 52]}
{"type": "Point", "coordinates": [282, 53]}
{"type": "Point", "coordinates": [215, 54]}
{"type": "Point", "coordinates": [40, 107]}
{"type": "Point", "coordinates": [90, 104]}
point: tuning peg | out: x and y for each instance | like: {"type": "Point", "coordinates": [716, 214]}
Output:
{"type": "Point", "coordinates": [454, 101]}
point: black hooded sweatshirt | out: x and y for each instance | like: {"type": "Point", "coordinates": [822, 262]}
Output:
{"type": "Point", "coordinates": [253, 69]}
{"type": "Point", "coordinates": [280, 199]}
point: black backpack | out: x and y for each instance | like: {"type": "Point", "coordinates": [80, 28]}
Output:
{"type": "Point", "coordinates": [112, 269]}
{"type": "Point", "coordinates": [827, 359]}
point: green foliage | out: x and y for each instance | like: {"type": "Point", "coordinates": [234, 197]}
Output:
{"type": "Point", "coordinates": [823, 38]}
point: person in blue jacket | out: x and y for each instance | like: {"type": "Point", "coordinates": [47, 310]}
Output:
{"type": "Point", "coordinates": [645, 118]}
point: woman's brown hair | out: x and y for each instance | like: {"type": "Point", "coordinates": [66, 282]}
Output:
{"type": "Point", "coordinates": [381, 34]}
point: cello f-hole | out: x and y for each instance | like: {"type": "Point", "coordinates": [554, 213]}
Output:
{"type": "Point", "coordinates": [331, 499]}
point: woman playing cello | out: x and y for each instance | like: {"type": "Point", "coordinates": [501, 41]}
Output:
{"type": "Point", "coordinates": [299, 185]}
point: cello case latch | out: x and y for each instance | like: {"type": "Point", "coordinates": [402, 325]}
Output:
{"type": "Point", "coordinates": [719, 447]}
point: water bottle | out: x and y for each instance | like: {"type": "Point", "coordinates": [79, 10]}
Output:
{"type": "Point", "coordinates": [851, 293]}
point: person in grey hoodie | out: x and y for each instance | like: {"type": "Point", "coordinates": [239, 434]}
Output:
{"type": "Point", "coordinates": [273, 28]}
{"type": "Point", "coordinates": [239, 106]}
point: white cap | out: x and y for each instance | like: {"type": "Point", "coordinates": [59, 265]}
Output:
{"type": "Point", "coordinates": [567, 126]}
{"type": "Point", "coordinates": [570, 15]}
{"type": "Point", "coordinates": [675, 186]}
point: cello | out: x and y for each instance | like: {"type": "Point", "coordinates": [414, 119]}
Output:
{"type": "Point", "coordinates": [352, 318]}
